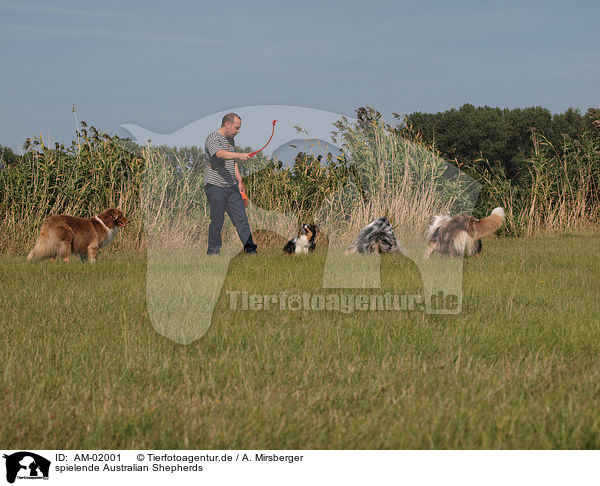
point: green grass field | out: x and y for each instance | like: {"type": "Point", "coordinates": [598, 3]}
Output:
{"type": "Point", "coordinates": [83, 367]}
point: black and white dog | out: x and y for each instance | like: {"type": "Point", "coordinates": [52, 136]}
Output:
{"type": "Point", "coordinates": [461, 234]}
{"type": "Point", "coordinates": [304, 242]}
{"type": "Point", "coordinates": [376, 237]}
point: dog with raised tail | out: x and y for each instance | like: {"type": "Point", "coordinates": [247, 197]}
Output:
{"type": "Point", "coordinates": [62, 235]}
{"type": "Point", "coordinates": [461, 235]}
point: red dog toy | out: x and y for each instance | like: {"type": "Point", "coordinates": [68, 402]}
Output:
{"type": "Point", "coordinates": [244, 197]}
{"type": "Point", "coordinates": [254, 153]}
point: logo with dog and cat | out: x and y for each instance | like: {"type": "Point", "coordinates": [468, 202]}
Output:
{"type": "Point", "coordinates": [26, 465]}
{"type": "Point", "coordinates": [371, 174]}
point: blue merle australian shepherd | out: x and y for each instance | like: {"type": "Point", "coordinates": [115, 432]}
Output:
{"type": "Point", "coordinates": [376, 237]}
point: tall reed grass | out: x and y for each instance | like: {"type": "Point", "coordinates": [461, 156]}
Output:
{"type": "Point", "coordinates": [403, 179]}
{"type": "Point", "coordinates": [561, 190]}
{"type": "Point", "coordinates": [381, 172]}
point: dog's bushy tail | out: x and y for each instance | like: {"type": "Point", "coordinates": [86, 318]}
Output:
{"type": "Point", "coordinates": [487, 226]}
{"type": "Point", "coordinates": [45, 247]}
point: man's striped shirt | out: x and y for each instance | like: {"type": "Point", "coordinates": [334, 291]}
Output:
{"type": "Point", "coordinates": [219, 172]}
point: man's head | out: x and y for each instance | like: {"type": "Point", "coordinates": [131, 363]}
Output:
{"type": "Point", "coordinates": [230, 125]}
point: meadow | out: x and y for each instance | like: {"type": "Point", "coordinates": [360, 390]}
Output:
{"type": "Point", "coordinates": [84, 368]}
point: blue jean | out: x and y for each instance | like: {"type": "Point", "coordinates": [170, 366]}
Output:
{"type": "Point", "coordinates": [221, 200]}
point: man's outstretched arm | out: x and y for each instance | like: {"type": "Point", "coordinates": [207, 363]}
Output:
{"type": "Point", "coordinates": [226, 155]}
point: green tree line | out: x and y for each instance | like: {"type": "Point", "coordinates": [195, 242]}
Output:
{"type": "Point", "coordinates": [502, 137]}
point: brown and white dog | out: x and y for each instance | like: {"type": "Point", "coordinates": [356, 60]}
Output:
{"type": "Point", "coordinates": [62, 235]}
{"type": "Point", "coordinates": [461, 235]}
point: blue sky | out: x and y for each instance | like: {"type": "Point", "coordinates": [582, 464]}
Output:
{"type": "Point", "coordinates": [163, 65]}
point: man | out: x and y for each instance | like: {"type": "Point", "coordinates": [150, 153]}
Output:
{"type": "Point", "coordinates": [223, 185]}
